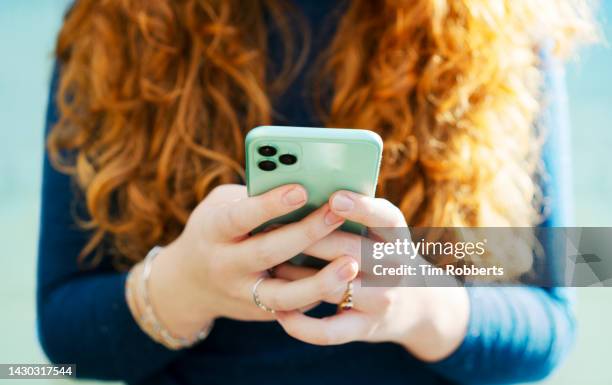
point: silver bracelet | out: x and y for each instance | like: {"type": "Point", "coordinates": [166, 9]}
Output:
{"type": "Point", "coordinates": [150, 318]}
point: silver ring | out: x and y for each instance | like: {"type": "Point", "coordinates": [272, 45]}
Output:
{"type": "Point", "coordinates": [256, 298]}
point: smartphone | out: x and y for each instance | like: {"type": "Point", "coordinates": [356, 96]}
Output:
{"type": "Point", "coordinates": [323, 160]}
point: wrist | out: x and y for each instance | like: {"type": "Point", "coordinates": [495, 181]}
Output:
{"type": "Point", "coordinates": [442, 325]}
{"type": "Point", "coordinates": [180, 304]}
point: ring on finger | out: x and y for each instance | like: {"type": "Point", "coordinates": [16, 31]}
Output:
{"type": "Point", "coordinates": [256, 298]}
{"type": "Point", "coordinates": [347, 298]}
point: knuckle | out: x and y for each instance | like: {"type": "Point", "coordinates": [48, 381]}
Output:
{"type": "Point", "coordinates": [312, 233]}
{"type": "Point", "coordinates": [218, 190]}
{"type": "Point", "coordinates": [398, 215]}
{"type": "Point", "coordinates": [396, 218]}
{"type": "Point", "coordinates": [385, 202]}
{"type": "Point", "coordinates": [200, 217]}
{"type": "Point", "coordinates": [269, 203]}
{"type": "Point", "coordinates": [233, 219]}
{"type": "Point", "coordinates": [327, 286]}
{"type": "Point", "coordinates": [266, 252]}
{"type": "Point", "coordinates": [335, 296]}
{"type": "Point", "coordinates": [369, 209]}
{"type": "Point", "coordinates": [399, 221]}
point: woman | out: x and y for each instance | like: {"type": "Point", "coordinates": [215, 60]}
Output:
{"type": "Point", "coordinates": [148, 114]}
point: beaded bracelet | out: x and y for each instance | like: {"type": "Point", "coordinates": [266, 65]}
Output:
{"type": "Point", "coordinates": [148, 320]}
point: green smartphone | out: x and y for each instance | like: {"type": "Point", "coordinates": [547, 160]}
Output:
{"type": "Point", "coordinates": [323, 160]}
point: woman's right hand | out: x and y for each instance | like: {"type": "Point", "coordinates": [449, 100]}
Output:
{"type": "Point", "coordinates": [210, 269]}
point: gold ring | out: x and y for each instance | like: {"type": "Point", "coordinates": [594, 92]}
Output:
{"type": "Point", "coordinates": [347, 298]}
{"type": "Point", "coordinates": [256, 298]}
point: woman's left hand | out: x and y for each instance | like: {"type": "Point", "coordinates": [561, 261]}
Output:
{"type": "Point", "coordinates": [429, 322]}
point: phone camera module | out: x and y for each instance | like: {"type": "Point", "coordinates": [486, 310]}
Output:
{"type": "Point", "coordinates": [267, 151]}
{"type": "Point", "coordinates": [267, 165]}
{"type": "Point", "coordinates": [287, 159]}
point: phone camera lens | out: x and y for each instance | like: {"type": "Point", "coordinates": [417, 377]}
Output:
{"type": "Point", "coordinates": [287, 159]}
{"type": "Point", "coordinates": [267, 165]}
{"type": "Point", "coordinates": [267, 151]}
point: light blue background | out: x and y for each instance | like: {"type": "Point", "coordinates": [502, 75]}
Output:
{"type": "Point", "coordinates": [27, 33]}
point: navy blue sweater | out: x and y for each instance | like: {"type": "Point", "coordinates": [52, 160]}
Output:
{"type": "Point", "coordinates": [514, 334]}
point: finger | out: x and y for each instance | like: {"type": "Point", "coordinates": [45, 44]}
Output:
{"type": "Point", "coordinates": [280, 294]}
{"type": "Point", "coordinates": [371, 212]}
{"type": "Point", "coordinates": [226, 193]}
{"type": "Point", "coordinates": [257, 314]}
{"type": "Point", "coordinates": [267, 250]}
{"type": "Point", "coordinates": [291, 272]}
{"type": "Point", "coordinates": [239, 217]}
{"type": "Point", "coordinates": [336, 244]}
{"type": "Point", "coordinates": [338, 329]}
{"type": "Point", "coordinates": [339, 243]}
{"type": "Point", "coordinates": [367, 299]}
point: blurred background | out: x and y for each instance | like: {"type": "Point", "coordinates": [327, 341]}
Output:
{"type": "Point", "coordinates": [27, 33]}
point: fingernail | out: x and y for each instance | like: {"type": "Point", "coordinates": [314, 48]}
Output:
{"type": "Point", "coordinates": [341, 202]}
{"type": "Point", "coordinates": [295, 196]}
{"type": "Point", "coordinates": [348, 270]}
{"type": "Point", "coordinates": [332, 219]}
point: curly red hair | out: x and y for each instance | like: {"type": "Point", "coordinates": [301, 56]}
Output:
{"type": "Point", "coordinates": [155, 98]}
